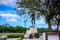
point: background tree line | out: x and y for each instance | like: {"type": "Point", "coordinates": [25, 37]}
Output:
{"type": "Point", "coordinates": [19, 29]}
{"type": "Point", "coordinates": [13, 29]}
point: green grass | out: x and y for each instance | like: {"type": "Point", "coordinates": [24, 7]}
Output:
{"type": "Point", "coordinates": [10, 33]}
{"type": "Point", "coordinates": [20, 39]}
{"type": "Point", "coordinates": [5, 34]}
{"type": "Point", "coordinates": [0, 35]}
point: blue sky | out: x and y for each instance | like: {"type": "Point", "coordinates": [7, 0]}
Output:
{"type": "Point", "coordinates": [9, 15]}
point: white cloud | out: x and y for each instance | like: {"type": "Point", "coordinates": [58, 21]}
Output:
{"type": "Point", "coordinates": [12, 19]}
{"type": "Point", "coordinates": [8, 2]}
{"type": "Point", "coordinates": [9, 16]}
{"type": "Point", "coordinates": [41, 21]}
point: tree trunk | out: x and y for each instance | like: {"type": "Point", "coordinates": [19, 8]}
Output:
{"type": "Point", "coordinates": [57, 26]}
{"type": "Point", "coordinates": [49, 26]}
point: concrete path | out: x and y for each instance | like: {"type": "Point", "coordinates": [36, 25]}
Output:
{"type": "Point", "coordinates": [24, 39]}
{"type": "Point", "coordinates": [33, 39]}
{"type": "Point", "coordinates": [12, 39]}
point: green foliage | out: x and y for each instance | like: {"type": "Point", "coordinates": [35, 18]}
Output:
{"type": "Point", "coordinates": [17, 29]}
{"type": "Point", "coordinates": [48, 8]}
{"type": "Point", "coordinates": [1, 28]}
{"type": "Point", "coordinates": [41, 30]}
{"type": "Point", "coordinates": [15, 36]}
{"type": "Point", "coordinates": [11, 28]}
{"type": "Point", "coordinates": [31, 6]}
{"type": "Point", "coordinates": [22, 36]}
{"type": "Point", "coordinates": [20, 39]}
{"type": "Point", "coordinates": [20, 29]}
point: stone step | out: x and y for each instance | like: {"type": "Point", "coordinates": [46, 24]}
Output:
{"type": "Point", "coordinates": [26, 35]}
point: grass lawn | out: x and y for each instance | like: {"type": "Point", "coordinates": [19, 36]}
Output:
{"type": "Point", "coordinates": [5, 34]}
{"type": "Point", "coordinates": [0, 35]}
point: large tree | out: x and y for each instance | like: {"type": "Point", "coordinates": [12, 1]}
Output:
{"type": "Point", "coordinates": [54, 5]}
{"type": "Point", "coordinates": [34, 14]}
{"type": "Point", "coordinates": [36, 5]}
{"type": "Point", "coordinates": [47, 8]}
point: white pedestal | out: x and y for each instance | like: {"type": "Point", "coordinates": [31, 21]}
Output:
{"type": "Point", "coordinates": [31, 31]}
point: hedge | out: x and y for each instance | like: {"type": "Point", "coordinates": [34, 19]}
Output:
{"type": "Point", "coordinates": [15, 36]}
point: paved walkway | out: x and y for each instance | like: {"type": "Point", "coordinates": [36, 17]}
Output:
{"type": "Point", "coordinates": [33, 39]}
{"type": "Point", "coordinates": [12, 39]}
{"type": "Point", "coordinates": [24, 39]}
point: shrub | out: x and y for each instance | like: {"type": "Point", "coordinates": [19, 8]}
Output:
{"type": "Point", "coordinates": [31, 36]}
{"type": "Point", "coordinates": [15, 36]}
{"type": "Point", "coordinates": [22, 36]}
{"type": "Point", "coordinates": [36, 35]}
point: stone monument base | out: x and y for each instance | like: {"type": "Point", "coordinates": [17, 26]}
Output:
{"type": "Point", "coordinates": [32, 30]}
